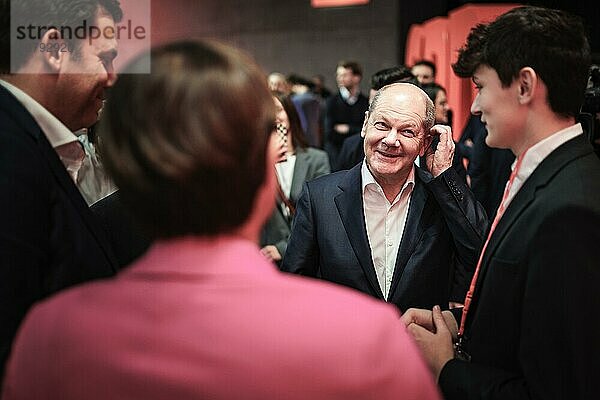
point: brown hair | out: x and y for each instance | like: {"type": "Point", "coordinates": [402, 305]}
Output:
{"type": "Point", "coordinates": [298, 139]}
{"type": "Point", "coordinates": [187, 143]}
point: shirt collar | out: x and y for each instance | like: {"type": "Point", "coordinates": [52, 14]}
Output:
{"type": "Point", "coordinates": [539, 151]}
{"type": "Point", "coordinates": [56, 132]}
{"type": "Point", "coordinates": [369, 180]}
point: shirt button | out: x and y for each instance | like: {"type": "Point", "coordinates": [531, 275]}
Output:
{"type": "Point", "coordinates": [390, 244]}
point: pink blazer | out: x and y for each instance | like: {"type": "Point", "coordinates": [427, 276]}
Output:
{"type": "Point", "coordinates": [211, 319]}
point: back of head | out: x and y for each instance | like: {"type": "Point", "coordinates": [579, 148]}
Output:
{"type": "Point", "coordinates": [187, 143]}
{"type": "Point", "coordinates": [31, 18]}
{"type": "Point", "coordinates": [387, 76]}
{"type": "Point", "coordinates": [551, 42]}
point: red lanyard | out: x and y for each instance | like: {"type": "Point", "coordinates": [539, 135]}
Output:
{"type": "Point", "coordinates": [499, 214]}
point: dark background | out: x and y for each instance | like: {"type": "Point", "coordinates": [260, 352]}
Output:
{"type": "Point", "coordinates": [291, 36]}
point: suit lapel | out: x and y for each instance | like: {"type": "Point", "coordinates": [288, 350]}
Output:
{"type": "Point", "coordinates": [350, 208]}
{"type": "Point", "coordinates": [412, 228]}
{"type": "Point", "coordinates": [299, 176]}
{"type": "Point", "coordinates": [540, 177]}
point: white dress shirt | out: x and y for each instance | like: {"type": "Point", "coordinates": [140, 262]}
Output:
{"type": "Point", "coordinates": [385, 224]}
{"type": "Point", "coordinates": [536, 154]}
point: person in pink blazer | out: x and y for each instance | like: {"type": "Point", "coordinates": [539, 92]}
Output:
{"type": "Point", "coordinates": [202, 315]}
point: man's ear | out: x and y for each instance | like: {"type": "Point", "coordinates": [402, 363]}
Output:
{"type": "Point", "coordinates": [527, 84]}
{"type": "Point", "coordinates": [426, 143]}
{"type": "Point", "coordinates": [363, 131]}
{"type": "Point", "coordinates": [54, 49]}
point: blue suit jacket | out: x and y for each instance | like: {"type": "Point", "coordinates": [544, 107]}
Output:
{"type": "Point", "coordinates": [329, 239]}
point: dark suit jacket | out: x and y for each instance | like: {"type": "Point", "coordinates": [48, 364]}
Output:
{"type": "Point", "coordinates": [310, 163]}
{"type": "Point", "coordinates": [489, 170]}
{"type": "Point", "coordinates": [351, 153]}
{"type": "Point", "coordinates": [533, 331]}
{"type": "Point", "coordinates": [329, 239]}
{"type": "Point", "coordinates": [49, 239]}
{"type": "Point", "coordinates": [308, 107]}
{"type": "Point", "coordinates": [127, 239]}
{"type": "Point", "coordinates": [340, 112]}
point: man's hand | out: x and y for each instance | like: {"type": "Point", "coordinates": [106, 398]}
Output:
{"type": "Point", "coordinates": [271, 253]}
{"type": "Point", "coordinates": [441, 159]}
{"type": "Point", "coordinates": [424, 318]}
{"type": "Point", "coordinates": [436, 347]}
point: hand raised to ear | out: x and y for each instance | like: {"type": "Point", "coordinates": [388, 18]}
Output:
{"type": "Point", "coordinates": [441, 159]}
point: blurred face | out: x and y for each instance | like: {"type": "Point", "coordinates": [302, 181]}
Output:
{"type": "Point", "coordinates": [345, 78]}
{"type": "Point", "coordinates": [498, 107]}
{"type": "Point", "coordinates": [394, 134]}
{"type": "Point", "coordinates": [441, 108]}
{"type": "Point", "coordinates": [84, 78]}
{"type": "Point", "coordinates": [278, 83]}
{"type": "Point", "coordinates": [423, 73]}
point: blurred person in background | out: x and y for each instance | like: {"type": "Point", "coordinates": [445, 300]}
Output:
{"type": "Point", "coordinates": [301, 164]}
{"type": "Point", "coordinates": [438, 95]}
{"type": "Point", "coordinates": [345, 110]}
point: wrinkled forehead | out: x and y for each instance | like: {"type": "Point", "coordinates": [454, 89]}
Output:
{"type": "Point", "coordinates": [400, 99]}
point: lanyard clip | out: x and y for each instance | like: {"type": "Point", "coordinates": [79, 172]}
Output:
{"type": "Point", "coordinates": [459, 351]}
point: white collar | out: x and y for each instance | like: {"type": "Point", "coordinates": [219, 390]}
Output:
{"type": "Point", "coordinates": [56, 132]}
{"type": "Point", "coordinates": [539, 151]}
{"type": "Point", "coordinates": [369, 179]}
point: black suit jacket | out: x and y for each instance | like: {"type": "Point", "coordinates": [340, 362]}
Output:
{"type": "Point", "coordinates": [489, 169]}
{"type": "Point", "coordinates": [533, 330]}
{"type": "Point", "coordinates": [127, 239]}
{"type": "Point", "coordinates": [329, 239]}
{"type": "Point", "coordinates": [49, 239]}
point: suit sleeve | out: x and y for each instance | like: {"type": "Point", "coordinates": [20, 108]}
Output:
{"type": "Point", "coordinates": [467, 221]}
{"type": "Point", "coordinates": [559, 354]}
{"type": "Point", "coordinates": [24, 196]}
{"type": "Point", "coordinates": [302, 254]}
